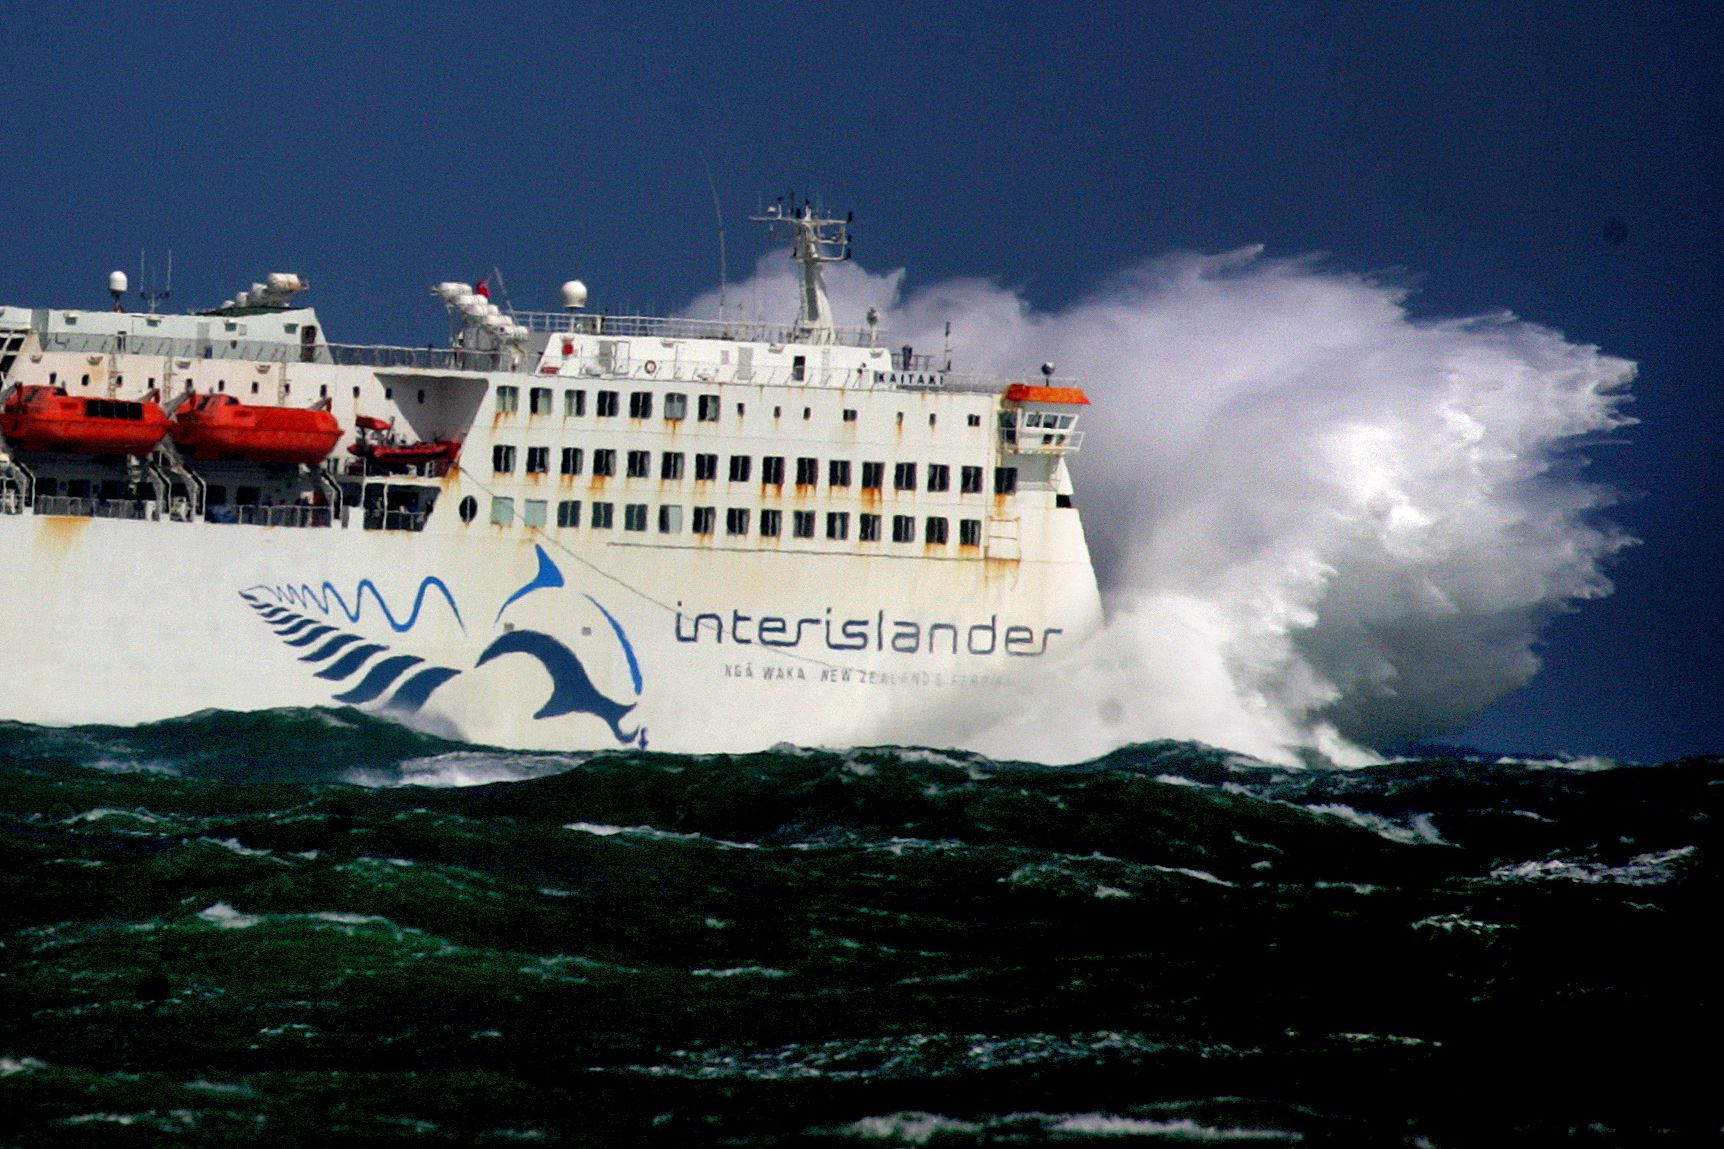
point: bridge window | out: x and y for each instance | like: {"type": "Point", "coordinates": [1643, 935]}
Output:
{"type": "Point", "coordinates": [736, 521]}
{"type": "Point", "coordinates": [538, 401]}
{"type": "Point", "coordinates": [970, 480]}
{"type": "Point", "coordinates": [838, 473]}
{"type": "Point", "coordinates": [705, 468]}
{"type": "Point", "coordinates": [904, 477]}
{"type": "Point", "coordinates": [607, 404]}
{"type": "Point", "coordinates": [640, 464]}
{"type": "Point", "coordinates": [604, 464]}
{"type": "Point", "coordinates": [640, 404]}
{"type": "Point", "coordinates": [634, 517]}
{"type": "Point", "coordinates": [903, 529]}
{"type": "Point", "coordinates": [771, 523]}
{"type": "Point", "coordinates": [935, 532]}
{"type": "Point", "coordinates": [798, 368]}
{"type": "Point", "coordinates": [569, 513]}
{"type": "Point", "coordinates": [807, 472]}
{"type": "Point", "coordinates": [740, 465]}
{"type": "Point", "coordinates": [508, 398]}
{"type": "Point", "coordinates": [939, 477]}
{"type": "Point", "coordinates": [802, 524]}
{"type": "Point", "coordinates": [502, 458]}
{"type": "Point", "coordinates": [675, 405]}
{"type": "Point", "coordinates": [703, 518]}
{"type": "Point", "coordinates": [574, 403]}
{"type": "Point", "coordinates": [873, 476]}
{"type": "Point", "coordinates": [538, 460]}
{"type": "Point", "coordinates": [1005, 480]}
{"type": "Point", "coordinates": [708, 409]}
{"type": "Point", "coordinates": [772, 471]}
{"type": "Point", "coordinates": [604, 516]}
{"type": "Point", "coordinates": [572, 458]}
{"type": "Point", "coordinates": [969, 532]}
{"type": "Point", "coordinates": [868, 528]}
{"type": "Point", "coordinates": [838, 525]}
{"type": "Point", "coordinates": [670, 465]}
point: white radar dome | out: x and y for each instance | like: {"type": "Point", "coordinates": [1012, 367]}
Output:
{"type": "Point", "coordinates": [117, 282]}
{"type": "Point", "coordinates": [574, 294]}
{"type": "Point", "coordinates": [283, 281]}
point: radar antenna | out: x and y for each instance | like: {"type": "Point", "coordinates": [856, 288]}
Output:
{"type": "Point", "coordinates": [814, 239]}
{"type": "Point", "coordinates": [152, 292]}
{"type": "Point", "coordinates": [717, 211]}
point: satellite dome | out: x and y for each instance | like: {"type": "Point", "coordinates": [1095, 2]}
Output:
{"type": "Point", "coordinates": [574, 294]}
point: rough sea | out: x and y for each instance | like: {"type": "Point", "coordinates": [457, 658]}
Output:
{"type": "Point", "coordinates": [314, 928]}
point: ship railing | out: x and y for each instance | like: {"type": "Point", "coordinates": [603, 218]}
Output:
{"type": "Point", "coordinates": [77, 506]}
{"type": "Point", "coordinates": [377, 519]}
{"type": "Point", "coordinates": [672, 327]}
{"type": "Point", "coordinates": [283, 515]}
{"type": "Point", "coordinates": [362, 468]}
{"type": "Point", "coordinates": [167, 347]}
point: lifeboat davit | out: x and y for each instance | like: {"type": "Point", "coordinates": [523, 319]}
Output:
{"type": "Point", "coordinates": [378, 445]}
{"type": "Point", "coordinates": [42, 418]}
{"type": "Point", "coordinates": [221, 427]}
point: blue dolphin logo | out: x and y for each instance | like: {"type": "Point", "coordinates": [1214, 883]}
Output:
{"type": "Point", "coordinates": [572, 689]}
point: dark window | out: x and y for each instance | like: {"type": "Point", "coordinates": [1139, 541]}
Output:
{"type": "Point", "coordinates": [670, 520]}
{"type": "Point", "coordinates": [970, 480]}
{"type": "Point", "coordinates": [675, 405]}
{"type": "Point", "coordinates": [798, 367]}
{"type": "Point", "coordinates": [1005, 480]}
{"type": "Point", "coordinates": [707, 408]}
{"type": "Point", "coordinates": [502, 458]}
{"type": "Point", "coordinates": [935, 532]}
{"type": "Point", "coordinates": [772, 471]}
{"type": "Point", "coordinates": [634, 517]}
{"type": "Point", "coordinates": [903, 529]}
{"type": "Point", "coordinates": [703, 517]}
{"type": "Point", "coordinates": [572, 459]}
{"type": "Point", "coordinates": [969, 532]}
{"type": "Point", "coordinates": [868, 528]}
{"type": "Point", "coordinates": [849, 414]}
{"type": "Point", "coordinates": [604, 464]}
{"type": "Point", "coordinates": [873, 476]}
{"type": "Point", "coordinates": [740, 465]}
{"type": "Point", "coordinates": [468, 509]}
{"type": "Point", "coordinates": [904, 477]}
{"type": "Point", "coordinates": [602, 516]}
{"type": "Point", "coordinates": [705, 467]}
{"type": "Point", "coordinates": [939, 477]}
{"type": "Point", "coordinates": [607, 403]}
{"type": "Point", "coordinates": [736, 521]}
{"type": "Point", "coordinates": [538, 460]}
{"type": "Point", "coordinates": [574, 402]}
{"type": "Point", "coordinates": [838, 473]}
{"type": "Point", "coordinates": [770, 524]}
{"type": "Point", "coordinates": [640, 404]}
{"type": "Point", "coordinates": [975, 420]}
{"type": "Point", "coordinates": [807, 472]}
{"type": "Point", "coordinates": [670, 465]}
{"type": "Point", "coordinates": [640, 464]}
{"type": "Point", "coordinates": [569, 513]}
{"type": "Point", "coordinates": [538, 401]}
{"type": "Point", "coordinates": [838, 525]}
{"type": "Point", "coordinates": [802, 523]}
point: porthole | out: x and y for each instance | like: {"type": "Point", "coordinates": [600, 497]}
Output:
{"type": "Point", "coordinates": [469, 509]}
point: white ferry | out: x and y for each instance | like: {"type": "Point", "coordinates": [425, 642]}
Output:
{"type": "Point", "coordinates": [566, 530]}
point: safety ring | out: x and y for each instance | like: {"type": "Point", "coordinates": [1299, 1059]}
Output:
{"type": "Point", "coordinates": [650, 367]}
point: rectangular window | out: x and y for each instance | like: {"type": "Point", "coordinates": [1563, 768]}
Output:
{"type": "Point", "coordinates": [705, 468]}
{"type": "Point", "coordinates": [569, 513]}
{"type": "Point", "coordinates": [640, 404]}
{"type": "Point", "coordinates": [634, 516]}
{"type": "Point", "coordinates": [533, 513]}
{"type": "Point", "coordinates": [539, 401]}
{"type": "Point", "coordinates": [1005, 480]}
{"type": "Point", "coordinates": [603, 516]}
{"type": "Point", "coordinates": [969, 532]}
{"type": "Point", "coordinates": [670, 520]}
{"type": "Point", "coordinates": [807, 472]}
{"type": "Point", "coordinates": [771, 523]}
{"type": "Point", "coordinates": [640, 464]}
{"type": "Point", "coordinates": [873, 476]}
{"type": "Point", "coordinates": [707, 409]}
{"type": "Point", "coordinates": [670, 465]}
{"type": "Point", "coordinates": [508, 398]}
{"type": "Point", "coordinates": [975, 420]}
{"type": "Point", "coordinates": [502, 511]}
{"type": "Point", "coordinates": [607, 404]}
{"type": "Point", "coordinates": [903, 529]}
{"type": "Point", "coordinates": [970, 480]}
{"type": "Point", "coordinates": [538, 460]}
{"type": "Point", "coordinates": [802, 524]}
{"type": "Point", "coordinates": [740, 465]}
{"type": "Point", "coordinates": [868, 528]}
{"type": "Point", "coordinates": [939, 477]}
{"type": "Point", "coordinates": [772, 471]}
{"type": "Point", "coordinates": [703, 517]}
{"type": "Point", "coordinates": [736, 521]}
{"type": "Point", "coordinates": [904, 477]}
{"type": "Point", "coordinates": [798, 367]}
{"type": "Point", "coordinates": [574, 403]}
{"type": "Point", "coordinates": [849, 414]}
{"type": "Point", "coordinates": [838, 524]}
{"type": "Point", "coordinates": [934, 532]}
{"type": "Point", "coordinates": [502, 458]}
{"type": "Point", "coordinates": [604, 464]}
{"type": "Point", "coordinates": [572, 459]}
{"type": "Point", "coordinates": [838, 473]}
{"type": "Point", "coordinates": [675, 405]}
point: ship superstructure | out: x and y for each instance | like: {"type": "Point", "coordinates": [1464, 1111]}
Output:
{"type": "Point", "coordinates": [564, 529]}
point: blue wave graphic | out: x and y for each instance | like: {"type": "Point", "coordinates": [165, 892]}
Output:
{"type": "Point", "coordinates": [305, 595]}
{"type": "Point", "coordinates": [628, 647]}
{"type": "Point", "coordinates": [548, 577]}
{"type": "Point", "coordinates": [350, 662]}
{"type": "Point", "coordinates": [329, 648]}
{"type": "Point", "coordinates": [379, 678]}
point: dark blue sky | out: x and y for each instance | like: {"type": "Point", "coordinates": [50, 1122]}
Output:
{"type": "Point", "coordinates": [1561, 161]}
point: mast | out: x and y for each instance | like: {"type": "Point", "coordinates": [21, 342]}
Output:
{"type": "Point", "coordinates": [814, 240]}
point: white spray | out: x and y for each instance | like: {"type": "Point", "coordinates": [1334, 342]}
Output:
{"type": "Point", "coordinates": [1319, 523]}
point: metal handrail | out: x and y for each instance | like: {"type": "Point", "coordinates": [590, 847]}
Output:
{"type": "Point", "coordinates": [672, 327]}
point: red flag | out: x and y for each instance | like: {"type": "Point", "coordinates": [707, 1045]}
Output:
{"type": "Point", "coordinates": [484, 288]}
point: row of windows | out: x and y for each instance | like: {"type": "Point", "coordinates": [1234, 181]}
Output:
{"type": "Point", "coordinates": [838, 471]}
{"type": "Point", "coordinates": [936, 530]}
{"type": "Point", "coordinates": [542, 401]}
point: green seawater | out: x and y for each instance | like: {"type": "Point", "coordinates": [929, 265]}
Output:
{"type": "Point", "coordinates": [290, 929]}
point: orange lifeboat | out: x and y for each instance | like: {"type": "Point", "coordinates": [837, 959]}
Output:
{"type": "Point", "coordinates": [41, 418]}
{"type": "Point", "coordinates": [383, 452]}
{"type": "Point", "coordinates": [221, 427]}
